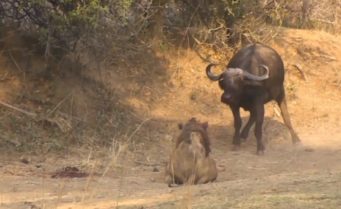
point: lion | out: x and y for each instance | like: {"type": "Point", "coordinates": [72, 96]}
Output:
{"type": "Point", "coordinates": [190, 162]}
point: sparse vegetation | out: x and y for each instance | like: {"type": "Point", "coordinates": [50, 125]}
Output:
{"type": "Point", "coordinates": [95, 88]}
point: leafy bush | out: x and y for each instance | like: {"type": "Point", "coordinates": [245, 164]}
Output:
{"type": "Point", "coordinates": [106, 27]}
{"type": "Point", "coordinates": [59, 24]}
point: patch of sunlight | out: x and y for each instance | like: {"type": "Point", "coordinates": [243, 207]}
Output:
{"type": "Point", "coordinates": [291, 200]}
{"type": "Point", "coordinates": [156, 199]}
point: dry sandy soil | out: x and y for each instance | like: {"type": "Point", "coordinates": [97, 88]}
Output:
{"type": "Point", "coordinates": [130, 175]}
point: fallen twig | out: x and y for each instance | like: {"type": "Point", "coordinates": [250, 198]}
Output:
{"type": "Point", "coordinates": [4, 77]}
{"type": "Point", "coordinates": [31, 114]}
{"type": "Point", "coordinates": [329, 58]}
{"type": "Point", "coordinates": [63, 124]}
{"type": "Point", "coordinates": [15, 62]}
{"type": "Point", "coordinates": [137, 129]}
{"type": "Point", "coordinates": [17, 65]}
{"type": "Point", "coordinates": [58, 105]}
{"type": "Point", "coordinates": [299, 68]}
{"type": "Point", "coordinates": [207, 59]}
{"type": "Point", "coordinates": [277, 112]}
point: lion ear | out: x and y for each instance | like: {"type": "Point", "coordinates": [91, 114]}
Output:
{"type": "Point", "coordinates": [180, 126]}
{"type": "Point", "coordinates": [205, 125]}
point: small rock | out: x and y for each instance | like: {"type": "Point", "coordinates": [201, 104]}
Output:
{"type": "Point", "coordinates": [155, 169]}
{"type": "Point", "coordinates": [24, 160]}
{"type": "Point", "coordinates": [168, 137]}
{"type": "Point", "coordinates": [308, 149]}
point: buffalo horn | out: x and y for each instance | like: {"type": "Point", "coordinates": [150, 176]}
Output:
{"type": "Point", "coordinates": [210, 75]}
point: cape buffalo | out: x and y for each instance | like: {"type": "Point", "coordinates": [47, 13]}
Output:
{"type": "Point", "coordinates": [253, 77]}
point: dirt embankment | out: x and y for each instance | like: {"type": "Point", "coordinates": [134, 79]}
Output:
{"type": "Point", "coordinates": [158, 92]}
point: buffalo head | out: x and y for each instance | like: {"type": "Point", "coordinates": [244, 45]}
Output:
{"type": "Point", "coordinates": [232, 81]}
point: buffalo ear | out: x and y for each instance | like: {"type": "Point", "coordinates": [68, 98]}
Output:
{"type": "Point", "coordinates": [180, 126]}
{"type": "Point", "coordinates": [205, 125]}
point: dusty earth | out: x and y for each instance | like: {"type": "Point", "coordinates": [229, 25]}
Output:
{"type": "Point", "coordinates": [130, 174]}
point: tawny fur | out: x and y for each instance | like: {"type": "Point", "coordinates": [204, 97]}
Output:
{"type": "Point", "coordinates": [190, 162]}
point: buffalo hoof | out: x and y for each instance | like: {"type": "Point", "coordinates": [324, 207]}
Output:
{"type": "Point", "coordinates": [260, 149]}
{"type": "Point", "coordinates": [243, 139]}
{"type": "Point", "coordinates": [295, 139]}
{"type": "Point", "coordinates": [244, 135]}
{"type": "Point", "coordinates": [298, 144]}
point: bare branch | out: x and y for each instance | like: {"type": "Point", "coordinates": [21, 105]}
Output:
{"type": "Point", "coordinates": [299, 68]}
{"type": "Point", "coordinates": [31, 114]}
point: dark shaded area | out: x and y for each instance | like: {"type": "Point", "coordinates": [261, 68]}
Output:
{"type": "Point", "coordinates": [84, 107]}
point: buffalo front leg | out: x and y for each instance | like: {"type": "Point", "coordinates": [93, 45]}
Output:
{"type": "Point", "coordinates": [245, 132]}
{"type": "Point", "coordinates": [285, 115]}
{"type": "Point", "coordinates": [258, 128]}
{"type": "Point", "coordinates": [237, 125]}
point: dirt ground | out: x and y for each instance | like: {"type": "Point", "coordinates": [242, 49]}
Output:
{"type": "Point", "coordinates": [130, 175]}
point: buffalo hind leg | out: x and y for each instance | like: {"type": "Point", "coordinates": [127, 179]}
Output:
{"type": "Point", "coordinates": [258, 129]}
{"type": "Point", "coordinates": [281, 101]}
{"type": "Point", "coordinates": [245, 132]}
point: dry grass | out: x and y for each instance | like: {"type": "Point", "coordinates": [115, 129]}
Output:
{"type": "Point", "coordinates": [126, 165]}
